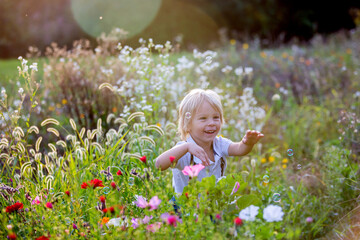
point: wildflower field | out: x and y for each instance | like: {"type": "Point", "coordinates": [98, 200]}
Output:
{"type": "Point", "coordinates": [81, 128]}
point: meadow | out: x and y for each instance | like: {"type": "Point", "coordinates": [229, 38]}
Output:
{"type": "Point", "coordinates": [81, 127]}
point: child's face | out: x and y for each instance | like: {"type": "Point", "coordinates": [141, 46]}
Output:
{"type": "Point", "coordinates": [206, 124]}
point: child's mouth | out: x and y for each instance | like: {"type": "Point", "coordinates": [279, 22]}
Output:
{"type": "Point", "coordinates": [210, 132]}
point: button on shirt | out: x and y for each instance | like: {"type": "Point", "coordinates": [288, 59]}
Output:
{"type": "Point", "coordinates": [220, 146]}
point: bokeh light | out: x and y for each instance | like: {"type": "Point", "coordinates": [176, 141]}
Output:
{"type": "Point", "coordinates": [96, 17]}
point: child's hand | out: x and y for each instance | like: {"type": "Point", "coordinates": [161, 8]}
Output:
{"type": "Point", "coordinates": [199, 152]}
{"type": "Point", "coordinates": [252, 137]}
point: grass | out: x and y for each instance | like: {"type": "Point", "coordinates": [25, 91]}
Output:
{"type": "Point", "coordinates": [102, 130]}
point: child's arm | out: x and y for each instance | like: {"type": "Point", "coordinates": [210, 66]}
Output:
{"type": "Point", "coordinates": [163, 161]}
{"type": "Point", "coordinates": [246, 144]}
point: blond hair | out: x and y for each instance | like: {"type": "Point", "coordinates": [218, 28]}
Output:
{"type": "Point", "coordinates": [191, 103]}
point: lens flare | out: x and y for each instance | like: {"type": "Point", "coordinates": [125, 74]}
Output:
{"type": "Point", "coordinates": [96, 17]}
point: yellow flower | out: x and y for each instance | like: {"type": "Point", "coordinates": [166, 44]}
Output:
{"type": "Point", "coordinates": [263, 160]}
{"type": "Point", "coordinates": [348, 51]}
{"type": "Point", "coordinates": [285, 160]}
{"type": "Point", "coordinates": [263, 54]}
{"type": "Point", "coordinates": [104, 220]}
{"type": "Point", "coordinates": [284, 55]}
{"type": "Point", "coordinates": [158, 124]}
{"type": "Point", "coordinates": [114, 109]}
{"type": "Point", "coordinates": [265, 183]}
{"type": "Point", "coordinates": [245, 46]}
{"type": "Point", "coordinates": [271, 159]}
{"type": "Point", "coordinates": [51, 108]}
{"type": "Point", "coordinates": [284, 166]}
{"type": "Point", "coordinates": [58, 105]}
{"type": "Point", "coordinates": [64, 101]}
{"type": "Point", "coordinates": [232, 41]}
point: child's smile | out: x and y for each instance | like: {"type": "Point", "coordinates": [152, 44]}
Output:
{"type": "Point", "coordinates": [205, 125]}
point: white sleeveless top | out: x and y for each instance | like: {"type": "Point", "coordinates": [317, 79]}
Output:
{"type": "Point", "coordinates": [220, 146]}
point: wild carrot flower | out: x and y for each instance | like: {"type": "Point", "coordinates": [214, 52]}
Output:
{"type": "Point", "coordinates": [143, 159]}
{"type": "Point", "coordinates": [14, 207]}
{"type": "Point", "coordinates": [238, 221]}
{"type": "Point", "coordinates": [249, 213]}
{"type": "Point", "coordinates": [49, 205]}
{"type": "Point", "coordinates": [193, 171]}
{"type": "Point", "coordinates": [273, 213]}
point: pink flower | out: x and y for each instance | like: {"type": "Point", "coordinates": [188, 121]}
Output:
{"type": "Point", "coordinates": [153, 227]}
{"type": "Point", "coordinates": [49, 205]}
{"type": "Point", "coordinates": [141, 202]}
{"type": "Point", "coordinates": [146, 219]}
{"type": "Point", "coordinates": [171, 158]}
{"type": "Point", "coordinates": [172, 219]}
{"type": "Point", "coordinates": [238, 221]}
{"type": "Point", "coordinates": [154, 203]}
{"type": "Point", "coordinates": [193, 171]}
{"type": "Point", "coordinates": [218, 216]}
{"type": "Point", "coordinates": [36, 200]}
{"type": "Point", "coordinates": [236, 188]}
{"type": "Point", "coordinates": [309, 219]}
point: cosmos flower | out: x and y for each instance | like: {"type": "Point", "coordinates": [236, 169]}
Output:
{"type": "Point", "coordinates": [193, 171]}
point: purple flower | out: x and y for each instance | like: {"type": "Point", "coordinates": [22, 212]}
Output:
{"type": "Point", "coordinates": [135, 223]}
{"type": "Point", "coordinates": [309, 219]}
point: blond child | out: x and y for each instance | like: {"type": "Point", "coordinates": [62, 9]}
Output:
{"type": "Point", "coordinates": [200, 121]}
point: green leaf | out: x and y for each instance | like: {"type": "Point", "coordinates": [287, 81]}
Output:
{"type": "Point", "coordinates": [247, 200]}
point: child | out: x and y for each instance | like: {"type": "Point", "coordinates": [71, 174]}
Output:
{"type": "Point", "coordinates": [200, 121]}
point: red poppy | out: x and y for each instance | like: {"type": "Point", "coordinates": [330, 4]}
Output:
{"type": "Point", "coordinates": [172, 158]}
{"type": "Point", "coordinates": [67, 193]}
{"type": "Point", "coordinates": [14, 207]}
{"type": "Point", "coordinates": [84, 185]}
{"type": "Point", "coordinates": [143, 159]}
{"type": "Point", "coordinates": [238, 221]}
{"type": "Point", "coordinates": [105, 210]}
{"type": "Point", "coordinates": [96, 183]}
{"type": "Point", "coordinates": [49, 205]}
{"type": "Point", "coordinates": [42, 238]}
{"type": "Point", "coordinates": [102, 199]}
{"type": "Point", "coordinates": [113, 185]}
{"type": "Point", "coordinates": [119, 173]}
{"type": "Point", "coordinates": [112, 209]}
{"type": "Point", "coordinates": [11, 236]}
